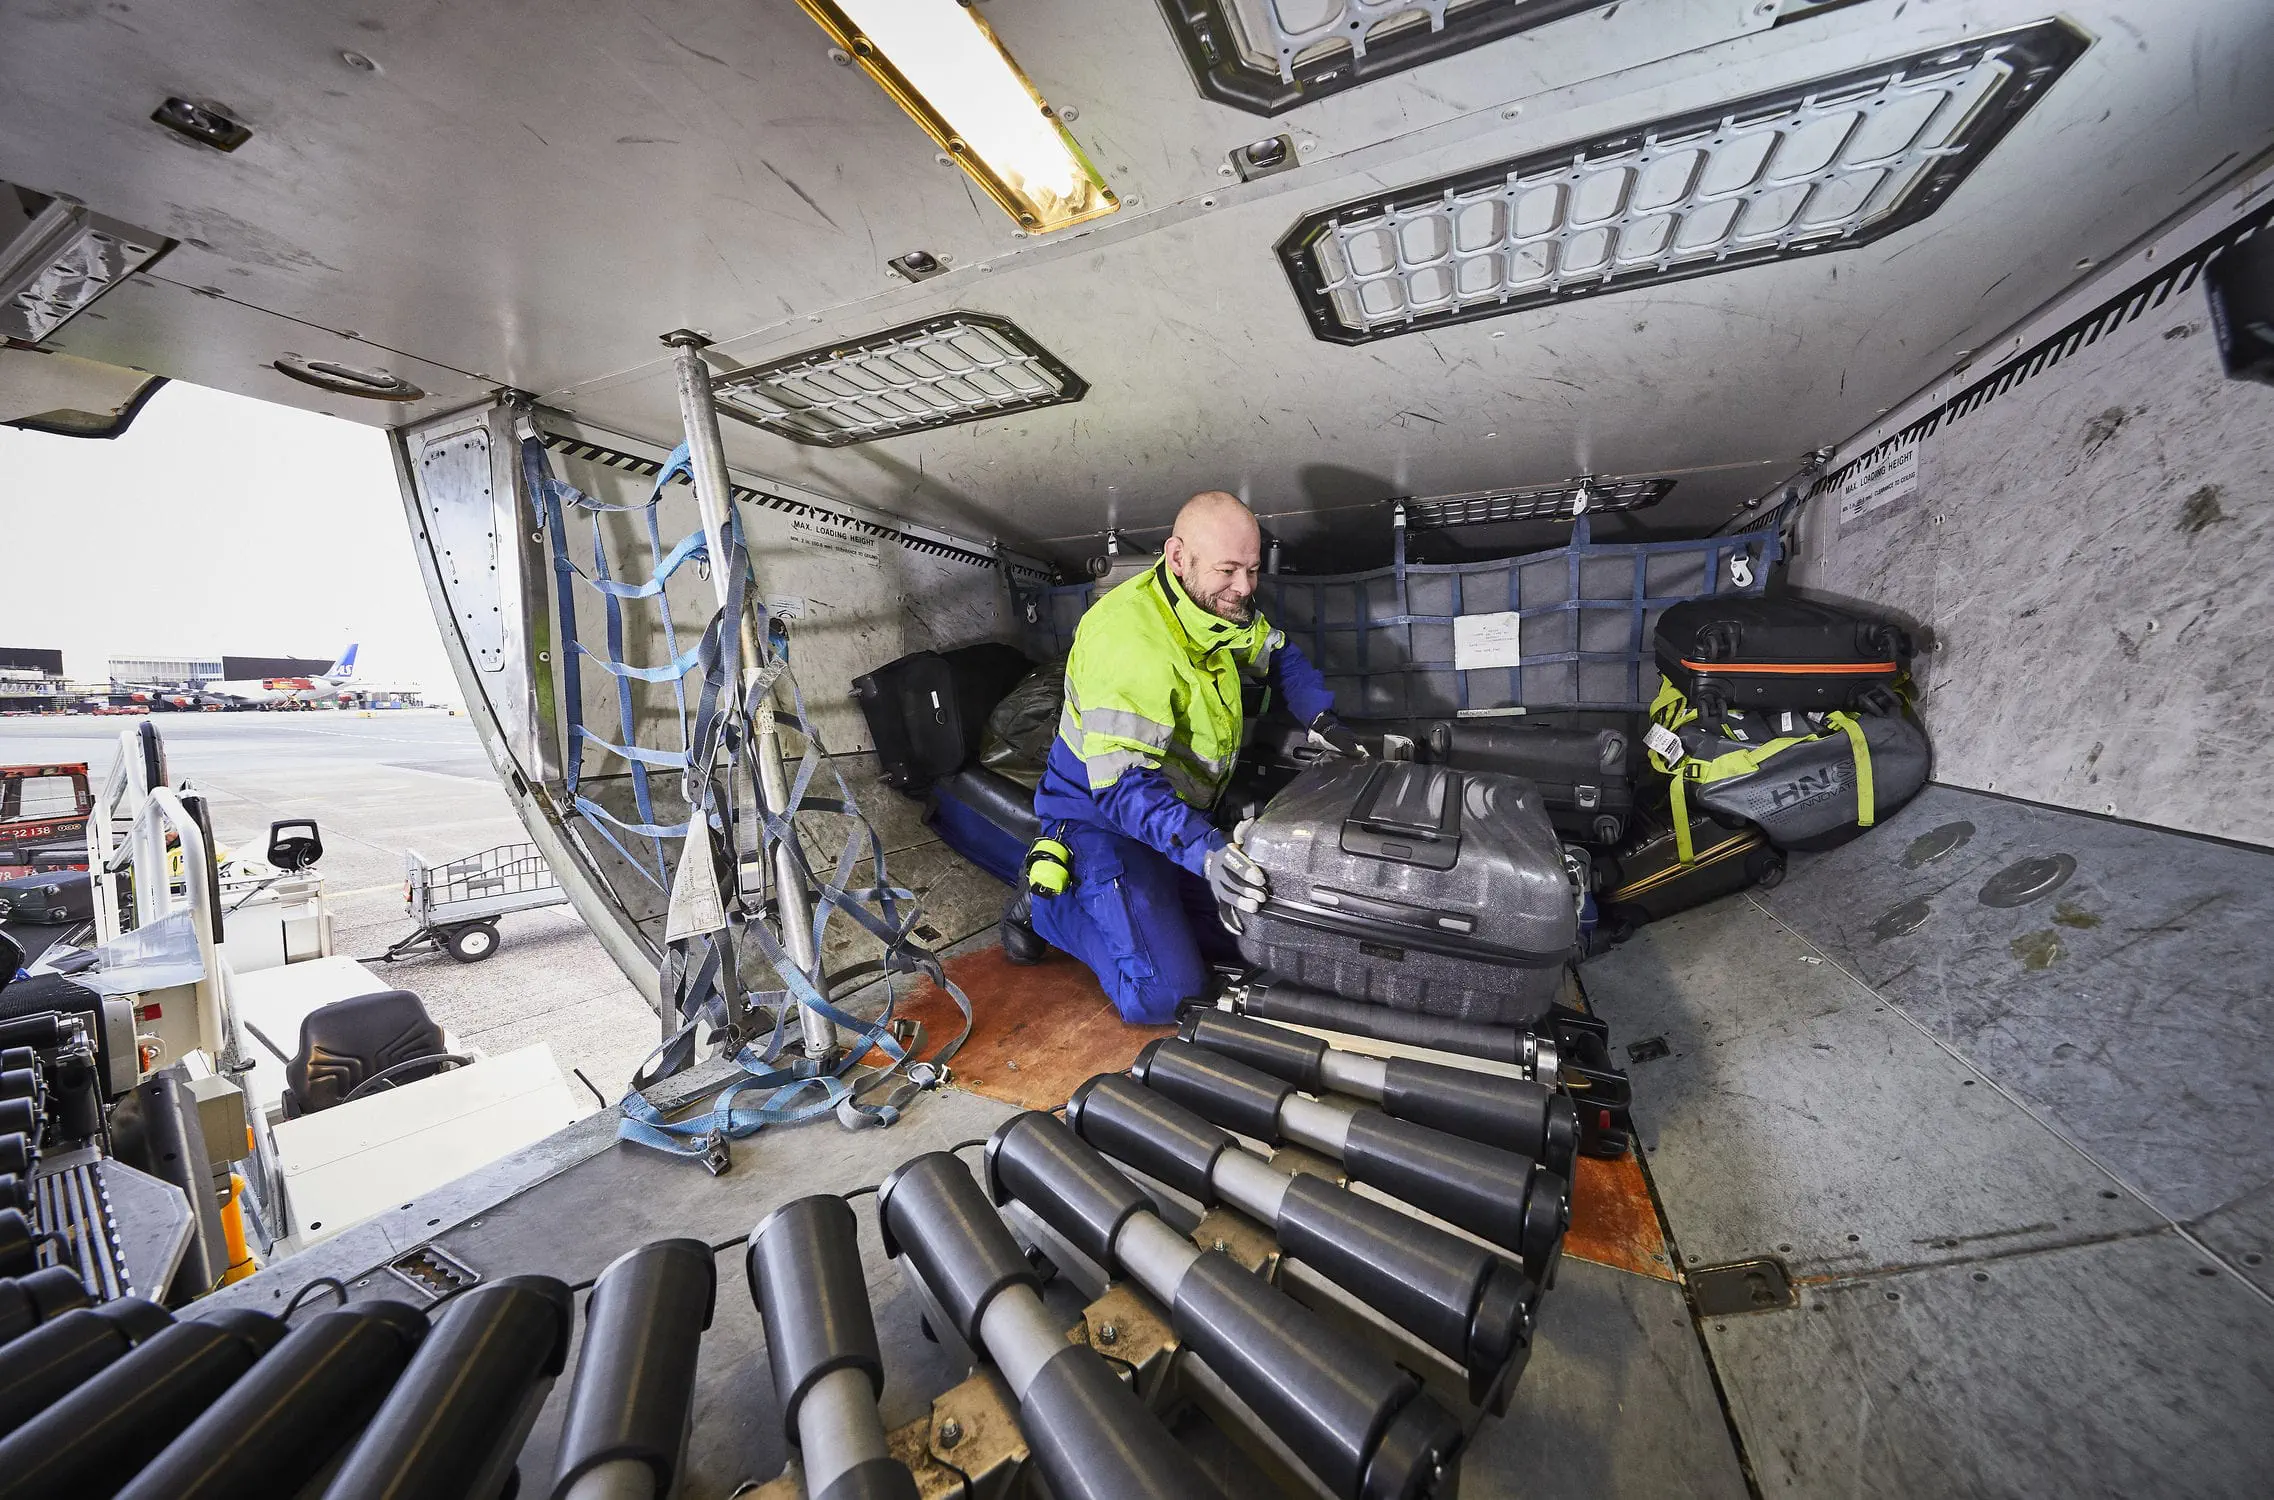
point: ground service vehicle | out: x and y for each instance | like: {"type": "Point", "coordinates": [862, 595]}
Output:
{"type": "Point", "coordinates": [855, 329]}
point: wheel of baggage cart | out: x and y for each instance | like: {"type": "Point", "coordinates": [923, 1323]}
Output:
{"type": "Point", "coordinates": [473, 942]}
{"type": "Point", "coordinates": [1765, 866]}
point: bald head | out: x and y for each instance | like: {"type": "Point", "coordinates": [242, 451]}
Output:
{"type": "Point", "coordinates": [1216, 553]}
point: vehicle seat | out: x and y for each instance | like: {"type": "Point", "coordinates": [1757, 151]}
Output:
{"type": "Point", "coordinates": [350, 1043]}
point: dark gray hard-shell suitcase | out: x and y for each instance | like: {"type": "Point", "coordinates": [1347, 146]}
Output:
{"type": "Point", "coordinates": [1585, 775]}
{"type": "Point", "coordinates": [1414, 886]}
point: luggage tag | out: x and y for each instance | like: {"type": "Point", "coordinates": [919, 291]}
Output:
{"type": "Point", "coordinates": [1665, 744]}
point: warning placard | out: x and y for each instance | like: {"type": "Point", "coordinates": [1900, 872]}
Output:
{"type": "Point", "coordinates": [829, 534]}
{"type": "Point", "coordinates": [1870, 486]}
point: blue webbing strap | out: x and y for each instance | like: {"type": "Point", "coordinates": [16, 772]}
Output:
{"type": "Point", "coordinates": [800, 1089]}
{"type": "Point", "coordinates": [701, 972]}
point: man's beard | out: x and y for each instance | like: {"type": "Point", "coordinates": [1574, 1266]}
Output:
{"type": "Point", "coordinates": [1222, 604]}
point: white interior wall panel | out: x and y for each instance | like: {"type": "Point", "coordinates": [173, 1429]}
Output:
{"type": "Point", "coordinates": [856, 608]}
{"type": "Point", "coordinates": [2091, 554]}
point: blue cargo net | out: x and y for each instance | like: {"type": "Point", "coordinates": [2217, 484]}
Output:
{"type": "Point", "coordinates": [739, 839]}
{"type": "Point", "coordinates": [1386, 639]}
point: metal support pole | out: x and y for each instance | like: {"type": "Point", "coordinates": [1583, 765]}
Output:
{"type": "Point", "coordinates": [714, 495]}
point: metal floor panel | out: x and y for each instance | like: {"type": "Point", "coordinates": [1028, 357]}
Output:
{"type": "Point", "coordinates": [1617, 1400]}
{"type": "Point", "coordinates": [626, 1195]}
{"type": "Point", "coordinates": [2242, 1233]}
{"type": "Point", "coordinates": [2128, 1006]}
{"type": "Point", "coordinates": [1794, 1115]}
{"type": "Point", "coordinates": [2133, 1367]}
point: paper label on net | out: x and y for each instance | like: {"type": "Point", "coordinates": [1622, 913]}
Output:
{"type": "Point", "coordinates": [1665, 744]}
{"type": "Point", "coordinates": [1481, 641]}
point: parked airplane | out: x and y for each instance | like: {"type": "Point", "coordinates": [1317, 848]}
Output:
{"type": "Point", "coordinates": [277, 692]}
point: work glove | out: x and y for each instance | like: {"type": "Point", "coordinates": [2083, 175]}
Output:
{"type": "Point", "coordinates": [1235, 880]}
{"type": "Point", "coordinates": [1333, 736]}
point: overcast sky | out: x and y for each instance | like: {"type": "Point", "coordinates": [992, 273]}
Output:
{"type": "Point", "coordinates": [217, 524]}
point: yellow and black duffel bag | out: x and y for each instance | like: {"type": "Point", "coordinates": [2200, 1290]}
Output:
{"type": "Point", "coordinates": [1806, 780]}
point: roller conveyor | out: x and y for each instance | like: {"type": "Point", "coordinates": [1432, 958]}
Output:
{"type": "Point", "coordinates": [383, 1398]}
{"type": "Point", "coordinates": [1507, 1199]}
{"type": "Point", "coordinates": [1515, 1114]}
{"type": "Point", "coordinates": [1459, 1298]}
{"type": "Point", "coordinates": [1090, 1434]}
{"type": "Point", "coordinates": [1361, 1425]}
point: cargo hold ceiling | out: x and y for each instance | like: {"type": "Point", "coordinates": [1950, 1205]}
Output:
{"type": "Point", "coordinates": [422, 205]}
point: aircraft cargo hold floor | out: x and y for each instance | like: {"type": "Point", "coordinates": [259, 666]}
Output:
{"type": "Point", "coordinates": [1989, 1084]}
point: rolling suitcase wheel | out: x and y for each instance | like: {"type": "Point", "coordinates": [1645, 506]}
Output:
{"type": "Point", "coordinates": [1765, 867]}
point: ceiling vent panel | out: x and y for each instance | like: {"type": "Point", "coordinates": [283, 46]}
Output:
{"type": "Point", "coordinates": [1267, 56]}
{"type": "Point", "coordinates": [959, 367]}
{"type": "Point", "coordinates": [1827, 164]}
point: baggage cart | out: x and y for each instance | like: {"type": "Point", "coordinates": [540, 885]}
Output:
{"type": "Point", "coordinates": [456, 905]}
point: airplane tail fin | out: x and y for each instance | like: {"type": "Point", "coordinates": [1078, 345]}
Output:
{"type": "Point", "coordinates": [344, 668]}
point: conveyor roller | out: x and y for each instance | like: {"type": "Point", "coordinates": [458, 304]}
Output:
{"type": "Point", "coordinates": [62, 1354]}
{"type": "Point", "coordinates": [1451, 1293]}
{"type": "Point", "coordinates": [276, 1429]}
{"type": "Point", "coordinates": [28, 1301]}
{"type": "Point", "coordinates": [805, 1275]}
{"type": "Point", "coordinates": [455, 1420]}
{"type": "Point", "coordinates": [1361, 1424]}
{"type": "Point", "coordinates": [634, 1390]}
{"type": "Point", "coordinates": [93, 1440]}
{"type": "Point", "coordinates": [1508, 1199]}
{"type": "Point", "coordinates": [1515, 1114]}
{"type": "Point", "coordinates": [1091, 1435]}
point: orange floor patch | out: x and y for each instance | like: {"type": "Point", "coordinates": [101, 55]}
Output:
{"type": "Point", "coordinates": [1613, 1220]}
{"type": "Point", "coordinates": [1036, 1033]}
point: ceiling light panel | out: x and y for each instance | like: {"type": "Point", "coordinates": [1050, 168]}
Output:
{"type": "Point", "coordinates": [945, 370]}
{"type": "Point", "coordinates": [1829, 164]}
{"type": "Point", "coordinates": [1588, 496]}
{"type": "Point", "coordinates": [61, 261]}
{"type": "Point", "coordinates": [1266, 56]}
{"type": "Point", "coordinates": [943, 64]}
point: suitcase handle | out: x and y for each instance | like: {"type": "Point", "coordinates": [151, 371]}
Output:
{"type": "Point", "coordinates": [1392, 911]}
{"type": "Point", "coordinates": [1371, 832]}
{"type": "Point", "coordinates": [1368, 814]}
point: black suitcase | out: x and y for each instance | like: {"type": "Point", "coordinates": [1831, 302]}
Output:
{"type": "Point", "coordinates": [1278, 750]}
{"type": "Point", "coordinates": [1585, 776]}
{"type": "Point", "coordinates": [1413, 886]}
{"type": "Point", "coordinates": [1739, 651]}
{"type": "Point", "coordinates": [1277, 740]}
{"type": "Point", "coordinates": [1644, 878]}
{"type": "Point", "coordinates": [927, 710]}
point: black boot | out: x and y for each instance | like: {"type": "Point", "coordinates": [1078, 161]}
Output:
{"type": "Point", "coordinates": [1020, 944]}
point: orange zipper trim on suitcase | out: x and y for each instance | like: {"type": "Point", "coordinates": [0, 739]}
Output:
{"type": "Point", "coordinates": [1845, 669]}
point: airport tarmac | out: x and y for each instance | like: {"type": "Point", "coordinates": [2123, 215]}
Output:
{"type": "Point", "coordinates": [380, 785]}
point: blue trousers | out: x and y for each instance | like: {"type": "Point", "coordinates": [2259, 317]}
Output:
{"type": "Point", "coordinates": [1145, 926]}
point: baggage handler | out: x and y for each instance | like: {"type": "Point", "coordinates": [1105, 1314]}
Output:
{"type": "Point", "coordinates": [1129, 869]}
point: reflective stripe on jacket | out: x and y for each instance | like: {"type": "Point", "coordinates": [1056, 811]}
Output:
{"type": "Point", "coordinates": [1152, 718]}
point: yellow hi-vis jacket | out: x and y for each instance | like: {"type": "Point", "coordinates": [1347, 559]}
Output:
{"type": "Point", "coordinates": [1152, 718]}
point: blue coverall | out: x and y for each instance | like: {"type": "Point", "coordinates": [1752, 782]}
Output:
{"type": "Point", "coordinates": [1145, 745]}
